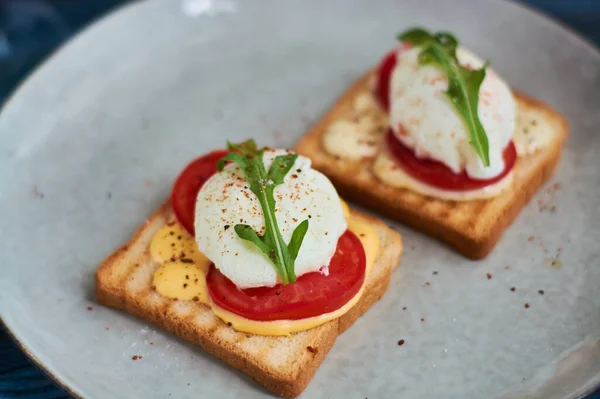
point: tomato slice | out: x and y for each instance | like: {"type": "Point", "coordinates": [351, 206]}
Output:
{"type": "Point", "coordinates": [189, 182]}
{"type": "Point", "coordinates": [439, 175]}
{"type": "Point", "coordinates": [384, 75]}
{"type": "Point", "coordinates": [312, 294]}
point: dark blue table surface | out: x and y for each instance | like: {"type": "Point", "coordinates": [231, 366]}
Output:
{"type": "Point", "coordinates": [31, 29]}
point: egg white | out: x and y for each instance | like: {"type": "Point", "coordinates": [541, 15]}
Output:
{"type": "Point", "coordinates": [226, 200]}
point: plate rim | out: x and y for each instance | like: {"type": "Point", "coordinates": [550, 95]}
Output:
{"type": "Point", "coordinates": [517, 5]}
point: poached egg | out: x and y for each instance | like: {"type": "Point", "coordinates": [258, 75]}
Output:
{"type": "Point", "coordinates": [226, 200]}
{"type": "Point", "coordinates": [423, 119]}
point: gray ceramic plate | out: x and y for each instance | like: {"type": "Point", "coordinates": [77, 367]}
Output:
{"type": "Point", "coordinates": [92, 140]}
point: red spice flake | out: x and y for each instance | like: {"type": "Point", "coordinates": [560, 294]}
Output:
{"type": "Point", "coordinates": [422, 319]}
{"type": "Point", "coordinates": [401, 342]}
{"type": "Point", "coordinates": [526, 305]}
{"type": "Point", "coordinates": [311, 349]}
{"type": "Point", "coordinates": [513, 289]}
{"type": "Point", "coordinates": [489, 276]}
{"type": "Point", "coordinates": [559, 250]}
{"type": "Point", "coordinates": [90, 308]}
{"type": "Point", "coordinates": [531, 238]}
{"type": "Point", "coordinates": [107, 328]}
{"type": "Point", "coordinates": [294, 176]}
{"type": "Point", "coordinates": [427, 283]}
{"type": "Point", "coordinates": [136, 357]}
{"type": "Point", "coordinates": [556, 186]}
{"type": "Point", "coordinates": [506, 267]}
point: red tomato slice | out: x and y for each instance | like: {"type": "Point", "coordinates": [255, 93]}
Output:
{"type": "Point", "coordinates": [384, 75]}
{"type": "Point", "coordinates": [439, 175]}
{"type": "Point", "coordinates": [189, 182]}
{"type": "Point", "coordinates": [312, 294]}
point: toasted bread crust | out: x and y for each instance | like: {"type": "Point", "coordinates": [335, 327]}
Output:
{"type": "Point", "coordinates": [473, 227]}
{"type": "Point", "coordinates": [123, 281]}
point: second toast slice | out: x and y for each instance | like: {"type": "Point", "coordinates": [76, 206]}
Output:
{"type": "Point", "coordinates": [472, 227]}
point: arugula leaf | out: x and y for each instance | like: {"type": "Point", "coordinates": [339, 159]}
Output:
{"type": "Point", "coordinates": [416, 36]}
{"type": "Point", "coordinates": [463, 84]}
{"type": "Point", "coordinates": [297, 238]}
{"type": "Point", "coordinates": [247, 233]}
{"type": "Point", "coordinates": [262, 184]}
{"type": "Point", "coordinates": [281, 166]}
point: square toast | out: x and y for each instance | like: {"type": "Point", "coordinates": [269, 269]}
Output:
{"type": "Point", "coordinates": [472, 227]}
{"type": "Point", "coordinates": [283, 364]}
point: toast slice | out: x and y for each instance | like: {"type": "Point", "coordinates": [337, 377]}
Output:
{"type": "Point", "coordinates": [284, 364]}
{"type": "Point", "coordinates": [471, 227]}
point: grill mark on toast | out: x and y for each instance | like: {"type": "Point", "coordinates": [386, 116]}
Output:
{"type": "Point", "coordinates": [475, 212]}
{"type": "Point", "coordinates": [447, 211]}
{"type": "Point", "coordinates": [417, 201]}
{"type": "Point", "coordinates": [126, 277]}
{"type": "Point", "coordinates": [266, 349]}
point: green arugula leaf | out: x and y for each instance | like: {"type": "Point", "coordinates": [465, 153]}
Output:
{"type": "Point", "coordinates": [231, 157]}
{"type": "Point", "coordinates": [416, 37]}
{"type": "Point", "coordinates": [463, 84]}
{"type": "Point", "coordinates": [262, 184]}
{"type": "Point", "coordinates": [297, 237]}
{"type": "Point", "coordinates": [281, 166]}
{"type": "Point", "coordinates": [247, 233]}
